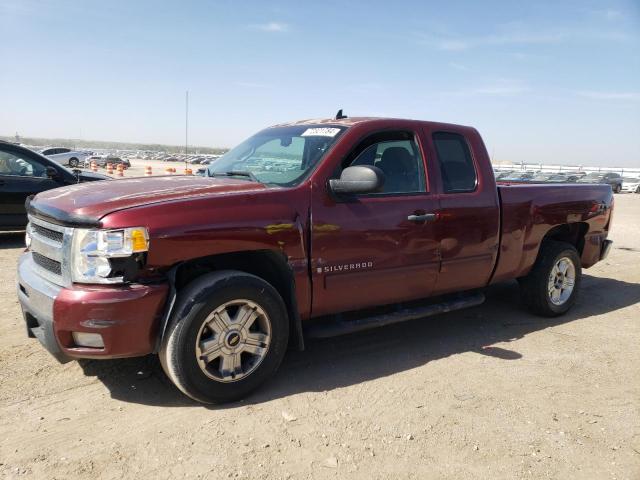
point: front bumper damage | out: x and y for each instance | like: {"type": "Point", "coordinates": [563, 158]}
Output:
{"type": "Point", "coordinates": [127, 317]}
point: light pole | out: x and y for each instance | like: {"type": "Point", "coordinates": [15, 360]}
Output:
{"type": "Point", "coordinates": [186, 128]}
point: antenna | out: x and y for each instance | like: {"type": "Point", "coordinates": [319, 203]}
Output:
{"type": "Point", "coordinates": [340, 115]}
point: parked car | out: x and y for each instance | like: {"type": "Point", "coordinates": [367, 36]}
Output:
{"type": "Point", "coordinates": [563, 178]}
{"type": "Point", "coordinates": [517, 177]}
{"type": "Point", "coordinates": [66, 156]}
{"type": "Point", "coordinates": [304, 230]}
{"type": "Point", "coordinates": [115, 161]}
{"type": "Point", "coordinates": [102, 161]}
{"type": "Point", "coordinates": [631, 185]}
{"type": "Point", "coordinates": [500, 174]}
{"type": "Point", "coordinates": [24, 172]}
{"type": "Point", "coordinates": [610, 178]}
{"type": "Point", "coordinates": [540, 177]}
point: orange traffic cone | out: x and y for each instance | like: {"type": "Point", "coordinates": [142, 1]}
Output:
{"type": "Point", "coordinates": [147, 171]}
{"type": "Point", "coordinates": [109, 169]}
{"type": "Point", "coordinates": [94, 167]}
{"type": "Point", "coordinates": [168, 171]}
{"type": "Point", "coordinates": [188, 171]}
{"type": "Point", "coordinates": [120, 170]}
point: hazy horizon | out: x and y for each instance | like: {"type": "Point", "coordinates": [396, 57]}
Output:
{"type": "Point", "coordinates": [541, 81]}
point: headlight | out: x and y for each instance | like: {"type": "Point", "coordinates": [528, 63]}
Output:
{"type": "Point", "coordinates": [93, 252]}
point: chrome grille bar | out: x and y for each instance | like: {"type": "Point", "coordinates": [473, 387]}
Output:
{"type": "Point", "coordinates": [51, 247]}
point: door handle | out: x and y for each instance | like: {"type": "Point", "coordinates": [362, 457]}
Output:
{"type": "Point", "coordinates": [425, 217]}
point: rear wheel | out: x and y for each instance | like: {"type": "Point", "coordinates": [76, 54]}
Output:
{"type": "Point", "coordinates": [617, 188]}
{"type": "Point", "coordinates": [73, 162]}
{"type": "Point", "coordinates": [227, 335]}
{"type": "Point", "coordinates": [551, 287]}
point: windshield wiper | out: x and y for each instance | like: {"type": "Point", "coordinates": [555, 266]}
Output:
{"type": "Point", "coordinates": [236, 173]}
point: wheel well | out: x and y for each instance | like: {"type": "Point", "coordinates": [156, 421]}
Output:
{"type": "Point", "coordinates": [572, 233]}
{"type": "Point", "coordinates": [269, 265]}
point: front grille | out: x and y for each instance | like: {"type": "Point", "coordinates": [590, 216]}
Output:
{"type": "Point", "coordinates": [47, 233]}
{"type": "Point", "coordinates": [51, 247]}
{"type": "Point", "coordinates": [48, 264]}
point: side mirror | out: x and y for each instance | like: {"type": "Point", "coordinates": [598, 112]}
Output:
{"type": "Point", "coordinates": [52, 173]}
{"type": "Point", "coordinates": [358, 179]}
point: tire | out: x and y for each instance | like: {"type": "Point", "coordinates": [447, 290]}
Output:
{"type": "Point", "coordinates": [536, 288]}
{"type": "Point", "coordinates": [617, 189]}
{"type": "Point", "coordinates": [638, 190]}
{"type": "Point", "coordinates": [204, 319]}
{"type": "Point", "coordinates": [73, 162]}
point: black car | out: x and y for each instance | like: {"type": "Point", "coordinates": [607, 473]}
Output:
{"type": "Point", "coordinates": [24, 172]}
{"type": "Point", "coordinates": [610, 178]}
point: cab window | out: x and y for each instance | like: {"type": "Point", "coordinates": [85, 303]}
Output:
{"type": "Point", "coordinates": [456, 165]}
{"type": "Point", "coordinates": [399, 158]}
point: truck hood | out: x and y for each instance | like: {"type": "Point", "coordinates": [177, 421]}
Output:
{"type": "Point", "coordinates": [85, 204]}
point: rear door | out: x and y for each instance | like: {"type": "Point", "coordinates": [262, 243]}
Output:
{"type": "Point", "coordinates": [20, 176]}
{"type": "Point", "coordinates": [469, 216]}
{"type": "Point", "coordinates": [373, 249]}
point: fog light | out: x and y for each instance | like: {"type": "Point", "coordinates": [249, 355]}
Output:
{"type": "Point", "coordinates": [82, 339]}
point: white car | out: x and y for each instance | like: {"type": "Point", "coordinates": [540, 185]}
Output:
{"type": "Point", "coordinates": [631, 185]}
{"type": "Point", "coordinates": [66, 156]}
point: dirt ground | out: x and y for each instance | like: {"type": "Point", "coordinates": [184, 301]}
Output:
{"type": "Point", "coordinates": [490, 392]}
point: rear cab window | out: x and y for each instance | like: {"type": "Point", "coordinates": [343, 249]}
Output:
{"type": "Point", "coordinates": [457, 169]}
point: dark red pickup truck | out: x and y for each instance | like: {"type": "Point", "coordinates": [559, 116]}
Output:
{"type": "Point", "coordinates": [307, 229]}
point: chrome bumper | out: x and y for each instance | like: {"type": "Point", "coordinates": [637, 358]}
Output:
{"type": "Point", "coordinates": [36, 296]}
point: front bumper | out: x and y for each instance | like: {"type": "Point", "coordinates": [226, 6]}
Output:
{"type": "Point", "coordinates": [126, 316]}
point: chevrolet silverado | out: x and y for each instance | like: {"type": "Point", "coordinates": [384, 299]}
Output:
{"type": "Point", "coordinates": [307, 229]}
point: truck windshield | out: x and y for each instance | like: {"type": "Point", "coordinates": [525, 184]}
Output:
{"type": "Point", "coordinates": [281, 156]}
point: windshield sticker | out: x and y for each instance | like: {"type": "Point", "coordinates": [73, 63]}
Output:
{"type": "Point", "coordinates": [320, 132]}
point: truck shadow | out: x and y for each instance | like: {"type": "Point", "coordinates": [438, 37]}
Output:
{"type": "Point", "coordinates": [352, 359]}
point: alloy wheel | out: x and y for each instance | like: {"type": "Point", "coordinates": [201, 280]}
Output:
{"type": "Point", "coordinates": [233, 340]}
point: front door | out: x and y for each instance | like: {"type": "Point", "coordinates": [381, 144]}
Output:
{"type": "Point", "coordinates": [378, 248]}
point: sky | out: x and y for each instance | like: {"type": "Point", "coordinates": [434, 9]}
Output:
{"type": "Point", "coordinates": [544, 81]}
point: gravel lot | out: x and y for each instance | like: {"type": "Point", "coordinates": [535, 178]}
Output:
{"type": "Point", "coordinates": [489, 392]}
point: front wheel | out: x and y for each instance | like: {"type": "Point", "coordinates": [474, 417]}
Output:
{"type": "Point", "coordinates": [617, 189]}
{"type": "Point", "coordinates": [551, 287]}
{"type": "Point", "coordinates": [73, 162]}
{"type": "Point", "coordinates": [227, 335]}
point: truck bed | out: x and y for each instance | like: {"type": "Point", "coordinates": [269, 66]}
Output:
{"type": "Point", "coordinates": [531, 211]}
